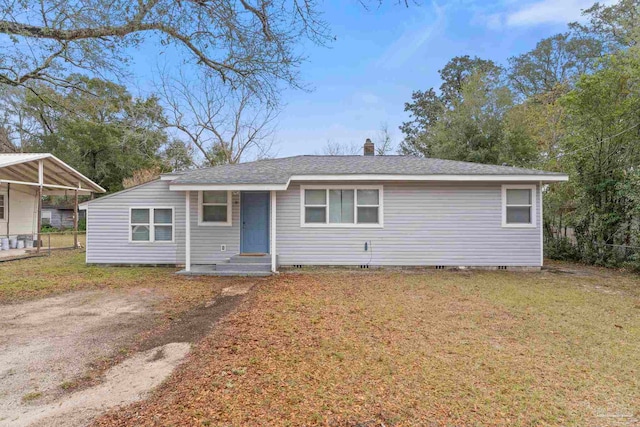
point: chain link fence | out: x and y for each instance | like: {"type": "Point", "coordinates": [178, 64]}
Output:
{"type": "Point", "coordinates": [26, 245]}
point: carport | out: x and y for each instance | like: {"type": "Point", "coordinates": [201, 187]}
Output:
{"type": "Point", "coordinates": [24, 179]}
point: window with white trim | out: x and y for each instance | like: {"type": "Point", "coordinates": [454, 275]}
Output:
{"type": "Point", "coordinates": [46, 218]}
{"type": "Point", "coordinates": [341, 206]}
{"type": "Point", "coordinates": [214, 208]}
{"type": "Point", "coordinates": [518, 205]}
{"type": "Point", "coordinates": [3, 207]}
{"type": "Point", "coordinates": [151, 224]}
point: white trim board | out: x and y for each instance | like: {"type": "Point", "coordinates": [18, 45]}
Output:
{"type": "Point", "coordinates": [373, 177]}
{"type": "Point", "coordinates": [370, 177]}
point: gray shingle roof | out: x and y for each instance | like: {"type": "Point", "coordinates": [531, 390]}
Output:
{"type": "Point", "coordinates": [278, 171]}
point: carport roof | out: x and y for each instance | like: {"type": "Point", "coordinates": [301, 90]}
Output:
{"type": "Point", "coordinates": [22, 168]}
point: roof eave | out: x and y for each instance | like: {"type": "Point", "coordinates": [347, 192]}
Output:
{"type": "Point", "coordinates": [544, 178]}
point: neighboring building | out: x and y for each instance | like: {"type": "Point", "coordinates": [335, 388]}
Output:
{"type": "Point", "coordinates": [26, 176]}
{"type": "Point", "coordinates": [59, 213]}
{"type": "Point", "coordinates": [325, 210]}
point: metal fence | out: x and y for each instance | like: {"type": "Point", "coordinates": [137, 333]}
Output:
{"type": "Point", "coordinates": [26, 245]}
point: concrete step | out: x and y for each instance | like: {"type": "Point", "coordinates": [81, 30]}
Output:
{"type": "Point", "coordinates": [226, 273]}
{"type": "Point", "coordinates": [243, 267]}
{"type": "Point", "coordinates": [250, 259]}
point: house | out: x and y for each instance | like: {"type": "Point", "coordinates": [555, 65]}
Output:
{"type": "Point", "coordinates": [325, 210]}
{"type": "Point", "coordinates": [60, 213]}
{"type": "Point", "coordinates": [24, 179]}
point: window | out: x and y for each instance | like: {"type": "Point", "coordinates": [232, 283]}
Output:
{"type": "Point", "coordinates": [345, 206]}
{"type": "Point", "coordinates": [151, 225]}
{"type": "Point", "coordinates": [3, 207]}
{"type": "Point", "coordinates": [214, 208]}
{"type": "Point", "coordinates": [46, 218]}
{"type": "Point", "coordinates": [518, 205]}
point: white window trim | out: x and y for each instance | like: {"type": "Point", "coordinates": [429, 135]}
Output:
{"type": "Point", "coordinates": [534, 196]}
{"type": "Point", "coordinates": [152, 231]}
{"type": "Point", "coordinates": [4, 206]}
{"type": "Point", "coordinates": [226, 223]}
{"type": "Point", "coordinates": [380, 206]}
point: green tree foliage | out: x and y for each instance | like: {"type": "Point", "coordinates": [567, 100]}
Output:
{"type": "Point", "coordinates": [427, 107]}
{"type": "Point", "coordinates": [602, 155]}
{"type": "Point", "coordinates": [555, 61]}
{"type": "Point", "coordinates": [473, 128]}
{"type": "Point", "coordinates": [571, 104]}
{"type": "Point", "coordinates": [98, 127]}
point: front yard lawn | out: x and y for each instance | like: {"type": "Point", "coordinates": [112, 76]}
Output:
{"type": "Point", "coordinates": [407, 348]}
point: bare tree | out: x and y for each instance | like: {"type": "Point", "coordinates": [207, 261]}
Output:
{"type": "Point", "coordinates": [384, 142]}
{"type": "Point", "coordinates": [340, 149]}
{"type": "Point", "coordinates": [225, 125]}
{"type": "Point", "coordinates": [247, 43]}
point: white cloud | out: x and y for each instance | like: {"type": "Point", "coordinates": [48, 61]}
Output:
{"type": "Point", "coordinates": [515, 14]}
{"type": "Point", "coordinates": [548, 12]}
{"type": "Point", "coordinates": [368, 98]}
{"type": "Point", "coordinates": [414, 37]}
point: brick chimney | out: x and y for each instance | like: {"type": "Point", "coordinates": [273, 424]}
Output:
{"type": "Point", "coordinates": [369, 148]}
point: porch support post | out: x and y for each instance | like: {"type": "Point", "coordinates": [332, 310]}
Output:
{"type": "Point", "coordinates": [39, 222]}
{"type": "Point", "coordinates": [187, 230]}
{"type": "Point", "coordinates": [541, 229]}
{"type": "Point", "coordinates": [273, 231]}
{"type": "Point", "coordinates": [75, 220]}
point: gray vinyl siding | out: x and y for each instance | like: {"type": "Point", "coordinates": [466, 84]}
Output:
{"type": "Point", "coordinates": [108, 230]}
{"type": "Point", "coordinates": [449, 224]}
{"type": "Point", "coordinates": [206, 240]}
{"type": "Point", "coordinates": [62, 218]}
{"type": "Point", "coordinates": [108, 227]}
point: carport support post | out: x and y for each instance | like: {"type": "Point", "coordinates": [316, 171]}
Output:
{"type": "Point", "coordinates": [187, 230]}
{"type": "Point", "coordinates": [75, 221]}
{"type": "Point", "coordinates": [40, 183]}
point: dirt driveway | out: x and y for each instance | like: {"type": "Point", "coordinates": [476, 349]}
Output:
{"type": "Point", "coordinates": [48, 344]}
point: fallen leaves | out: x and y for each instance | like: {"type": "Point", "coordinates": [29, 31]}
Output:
{"type": "Point", "coordinates": [387, 348]}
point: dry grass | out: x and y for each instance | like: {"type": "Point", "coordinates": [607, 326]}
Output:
{"type": "Point", "coordinates": [65, 270]}
{"type": "Point", "coordinates": [433, 348]}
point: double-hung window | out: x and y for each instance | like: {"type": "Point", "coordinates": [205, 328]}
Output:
{"type": "Point", "coordinates": [3, 207]}
{"type": "Point", "coordinates": [214, 208]}
{"type": "Point", "coordinates": [518, 205]}
{"type": "Point", "coordinates": [151, 225]}
{"type": "Point", "coordinates": [341, 206]}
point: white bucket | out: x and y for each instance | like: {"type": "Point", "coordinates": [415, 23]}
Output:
{"type": "Point", "coordinates": [4, 244]}
{"type": "Point", "coordinates": [28, 244]}
{"type": "Point", "coordinates": [13, 242]}
{"type": "Point", "coordinates": [20, 244]}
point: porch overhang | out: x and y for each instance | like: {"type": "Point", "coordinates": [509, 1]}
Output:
{"type": "Point", "coordinates": [228, 187]}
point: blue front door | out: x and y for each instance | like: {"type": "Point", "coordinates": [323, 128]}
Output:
{"type": "Point", "coordinates": [254, 218]}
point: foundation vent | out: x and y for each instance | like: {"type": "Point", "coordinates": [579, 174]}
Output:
{"type": "Point", "coordinates": [502, 267]}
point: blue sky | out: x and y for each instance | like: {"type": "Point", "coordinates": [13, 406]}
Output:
{"type": "Point", "coordinates": [380, 56]}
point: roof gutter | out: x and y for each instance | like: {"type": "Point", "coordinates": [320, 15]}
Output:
{"type": "Point", "coordinates": [546, 178]}
{"type": "Point", "coordinates": [228, 187]}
